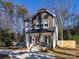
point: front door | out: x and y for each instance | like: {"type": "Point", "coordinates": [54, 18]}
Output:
{"type": "Point", "coordinates": [47, 40]}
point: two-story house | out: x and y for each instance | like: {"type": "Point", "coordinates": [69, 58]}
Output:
{"type": "Point", "coordinates": [42, 29]}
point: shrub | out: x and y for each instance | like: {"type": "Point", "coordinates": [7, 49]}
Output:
{"type": "Point", "coordinates": [6, 37]}
{"type": "Point", "coordinates": [75, 37]}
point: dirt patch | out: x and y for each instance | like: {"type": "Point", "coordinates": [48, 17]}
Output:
{"type": "Point", "coordinates": [66, 54]}
{"type": "Point", "coordinates": [3, 56]}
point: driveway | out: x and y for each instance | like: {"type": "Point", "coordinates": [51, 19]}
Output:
{"type": "Point", "coordinates": [32, 55]}
{"type": "Point", "coordinates": [27, 54]}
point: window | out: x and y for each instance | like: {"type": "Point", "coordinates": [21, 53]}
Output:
{"type": "Point", "coordinates": [37, 25]}
{"type": "Point", "coordinates": [45, 21]}
{"type": "Point", "coordinates": [45, 24]}
{"type": "Point", "coordinates": [41, 25]}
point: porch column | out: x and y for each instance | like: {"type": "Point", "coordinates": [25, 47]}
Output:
{"type": "Point", "coordinates": [55, 37]}
{"type": "Point", "coordinates": [54, 40]}
{"type": "Point", "coordinates": [51, 41]}
{"type": "Point", "coordinates": [41, 38]}
{"type": "Point", "coordinates": [47, 40]}
{"type": "Point", "coordinates": [27, 40]}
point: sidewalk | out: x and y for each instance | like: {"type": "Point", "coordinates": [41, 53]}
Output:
{"type": "Point", "coordinates": [66, 53]}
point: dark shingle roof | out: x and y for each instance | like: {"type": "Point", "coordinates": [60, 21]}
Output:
{"type": "Point", "coordinates": [39, 31]}
{"type": "Point", "coordinates": [41, 11]}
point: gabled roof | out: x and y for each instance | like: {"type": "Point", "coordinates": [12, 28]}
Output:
{"type": "Point", "coordinates": [47, 11]}
{"type": "Point", "coordinates": [42, 11]}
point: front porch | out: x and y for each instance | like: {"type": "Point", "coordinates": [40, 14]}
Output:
{"type": "Point", "coordinates": [42, 37]}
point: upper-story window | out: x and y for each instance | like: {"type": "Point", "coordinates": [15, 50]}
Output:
{"type": "Point", "coordinates": [37, 25]}
{"type": "Point", "coordinates": [44, 23]}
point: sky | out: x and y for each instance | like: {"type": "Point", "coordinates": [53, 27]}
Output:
{"type": "Point", "coordinates": [34, 5]}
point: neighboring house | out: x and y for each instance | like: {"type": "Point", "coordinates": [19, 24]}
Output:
{"type": "Point", "coordinates": [42, 29]}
